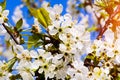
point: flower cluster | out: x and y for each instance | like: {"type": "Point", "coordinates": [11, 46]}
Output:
{"type": "Point", "coordinates": [59, 47]}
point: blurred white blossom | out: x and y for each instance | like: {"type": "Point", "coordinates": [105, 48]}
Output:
{"type": "Point", "coordinates": [18, 14]}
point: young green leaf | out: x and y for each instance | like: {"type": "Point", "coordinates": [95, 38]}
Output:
{"type": "Point", "coordinates": [33, 40]}
{"type": "Point", "coordinates": [45, 15]}
{"type": "Point", "coordinates": [27, 2]}
{"type": "Point", "coordinates": [3, 4]}
{"type": "Point", "coordinates": [93, 28]}
{"type": "Point", "coordinates": [10, 29]}
{"type": "Point", "coordinates": [37, 14]}
{"type": "Point", "coordinates": [19, 24]}
{"type": "Point", "coordinates": [90, 56]}
{"type": "Point", "coordinates": [11, 63]}
{"type": "Point", "coordinates": [81, 5]}
{"type": "Point", "coordinates": [42, 15]}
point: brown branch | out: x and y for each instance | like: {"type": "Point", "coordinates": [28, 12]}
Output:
{"type": "Point", "coordinates": [102, 30]}
{"type": "Point", "coordinates": [110, 19]}
{"type": "Point", "coordinates": [10, 33]}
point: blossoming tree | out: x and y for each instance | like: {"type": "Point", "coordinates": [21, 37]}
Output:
{"type": "Point", "coordinates": [59, 47]}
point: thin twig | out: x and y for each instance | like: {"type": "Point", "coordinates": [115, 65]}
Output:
{"type": "Point", "coordinates": [10, 33]}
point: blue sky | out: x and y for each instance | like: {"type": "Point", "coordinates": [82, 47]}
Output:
{"type": "Point", "coordinates": [11, 4]}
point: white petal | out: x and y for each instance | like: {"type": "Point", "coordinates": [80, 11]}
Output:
{"type": "Point", "coordinates": [2, 30]}
{"type": "Point", "coordinates": [19, 47]}
{"type": "Point", "coordinates": [5, 13]}
{"type": "Point", "coordinates": [33, 54]}
{"type": "Point", "coordinates": [117, 59]}
{"type": "Point", "coordinates": [50, 27]}
{"type": "Point", "coordinates": [25, 24]}
{"type": "Point", "coordinates": [110, 54]}
{"type": "Point", "coordinates": [1, 20]}
{"type": "Point", "coordinates": [26, 76]}
{"type": "Point", "coordinates": [53, 32]}
{"type": "Point", "coordinates": [58, 56]}
{"type": "Point", "coordinates": [58, 8]}
{"type": "Point", "coordinates": [41, 51]}
{"type": "Point", "coordinates": [63, 37]}
{"type": "Point", "coordinates": [62, 47]}
{"type": "Point", "coordinates": [47, 55]}
{"type": "Point", "coordinates": [51, 75]}
{"type": "Point", "coordinates": [40, 70]}
{"type": "Point", "coordinates": [7, 37]}
{"type": "Point", "coordinates": [0, 9]}
{"type": "Point", "coordinates": [35, 64]}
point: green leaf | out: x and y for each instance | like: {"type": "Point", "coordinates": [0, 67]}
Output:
{"type": "Point", "coordinates": [19, 24]}
{"type": "Point", "coordinates": [33, 11]}
{"type": "Point", "coordinates": [11, 63]}
{"type": "Point", "coordinates": [104, 15]}
{"type": "Point", "coordinates": [3, 4]}
{"type": "Point", "coordinates": [8, 44]}
{"type": "Point", "coordinates": [10, 29]}
{"type": "Point", "coordinates": [37, 14]}
{"type": "Point", "coordinates": [42, 15]}
{"type": "Point", "coordinates": [27, 2]}
{"type": "Point", "coordinates": [81, 5]}
{"type": "Point", "coordinates": [96, 61]}
{"type": "Point", "coordinates": [38, 44]}
{"type": "Point", "coordinates": [90, 56]}
{"type": "Point", "coordinates": [15, 77]}
{"type": "Point", "coordinates": [93, 28]}
{"type": "Point", "coordinates": [100, 3]}
{"type": "Point", "coordinates": [118, 77]}
{"type": "Point", "coordinates": [46, 16]}
{"type": "Point", "coordinates": [33, 41]}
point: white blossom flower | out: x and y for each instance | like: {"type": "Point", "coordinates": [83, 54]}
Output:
{"type": "Point", "coordinates": [24, 55]}
{"type": "Point", "coordinates": [78, 71]}
{"type": "Point", "coordinates": [26, 70]}
{"type": "Point", "coordinates": [47, 68]}
{"type": "Point", "coordinates": [4, 73]}
{"type": "Point", "coordinates": [109, 36]}
{"type": "Point", "coordinates": [2, 30]}
{"type": "Point", "coordinates": [89, 9]}
{"type": "Point", "coordinates": [8, 53]}
{"type": "Point", "coordinates": [55, 12]}
{"type": "Point", "coordinates": [37, 25]}
{"type": "Point", "coordinates": [56, 59]}
{"type": "Point", "coordinates": [73, 42]}
{"type": "Point", "coordinates": [45, 4]}
{"type": "Point", "coordinates": [117, 59]}
{"type": "Point", "coordinates": [82, 1]}
{"type": "Point", "coordinates": [71, 8]}
{"type": "Point", "coordinates": [101, 73]}
{"type": "Point", "coordinates": [3, 15]}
